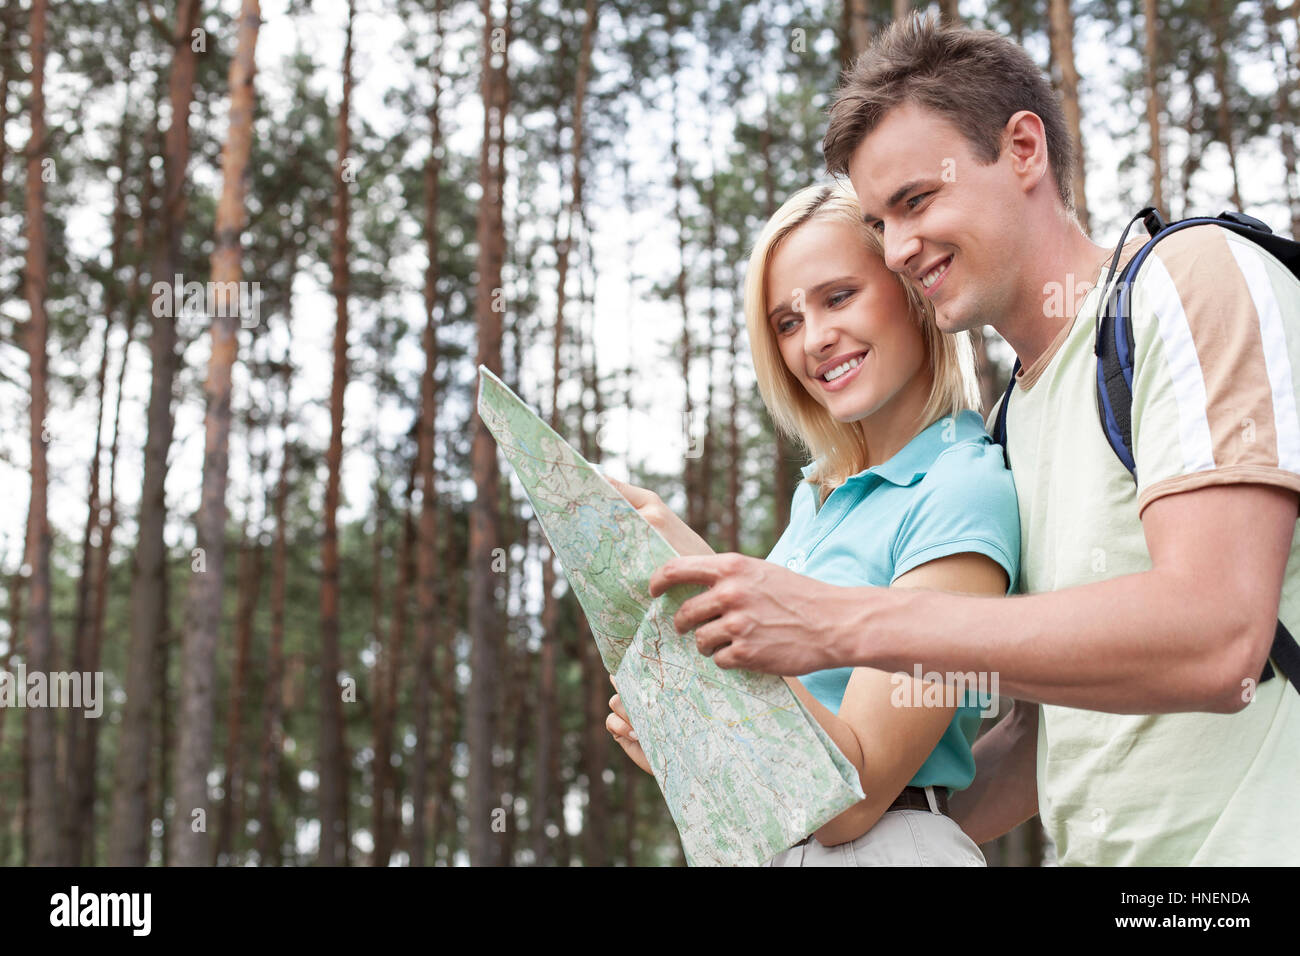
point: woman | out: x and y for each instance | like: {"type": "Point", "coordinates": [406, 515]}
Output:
{"type": "Point", "coordinates": [905, 490]}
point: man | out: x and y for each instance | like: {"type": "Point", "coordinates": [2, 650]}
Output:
{"type": "Point", "coordinates": [1149, 608]}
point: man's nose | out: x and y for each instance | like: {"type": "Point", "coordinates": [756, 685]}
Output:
{"type": "Point", "coordinates": [900, 247]}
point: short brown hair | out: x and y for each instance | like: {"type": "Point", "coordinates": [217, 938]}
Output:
{"type": "Point", "coordinates": [976, 79]}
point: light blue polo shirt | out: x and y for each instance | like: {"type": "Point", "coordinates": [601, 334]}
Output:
{"type": "Point", "coordinates": [947, 491]}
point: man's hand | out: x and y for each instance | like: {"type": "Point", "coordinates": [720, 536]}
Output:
{"type": "Point", "coordinates": [756, 615]}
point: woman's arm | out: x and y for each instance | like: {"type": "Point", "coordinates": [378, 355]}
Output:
{"type": "Point", "coordinates": [886, 742]}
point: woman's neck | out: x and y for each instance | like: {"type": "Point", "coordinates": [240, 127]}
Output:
{"type": "Point", "coordinates": [888, 430]}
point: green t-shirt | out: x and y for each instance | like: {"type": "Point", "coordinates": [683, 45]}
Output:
{"type": "Point", "coordinates": [1216, 327]}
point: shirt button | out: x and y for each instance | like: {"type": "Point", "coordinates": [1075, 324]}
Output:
{"type": "Point", "coordinates": [795, 561]}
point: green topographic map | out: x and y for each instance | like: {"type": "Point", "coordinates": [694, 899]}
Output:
{"type": "Point", "coordinates": [746, 771]}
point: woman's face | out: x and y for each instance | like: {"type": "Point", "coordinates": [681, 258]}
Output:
{"type": "Point", "coordinates": [832, 303]}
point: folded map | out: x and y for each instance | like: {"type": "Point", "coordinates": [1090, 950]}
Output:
{"type": "Point", "coordinates": [746, 771]}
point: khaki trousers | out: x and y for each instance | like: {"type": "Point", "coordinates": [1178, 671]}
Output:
{"type": "Point", "coordinates": [899, 838]}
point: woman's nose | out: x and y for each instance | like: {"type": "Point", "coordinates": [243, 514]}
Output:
{"type": "Point", "coordinates": [819, 332]}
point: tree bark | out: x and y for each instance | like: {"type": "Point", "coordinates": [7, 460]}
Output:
{"type": "Point", "coordinates": [485, 531]}
{"type": "Point", "coordinates": [386, 805]}
{"type": "Point", "coordinates": [1223, 84]}
{"type": "Point", "coordinates": [1061, 32]}
{"type": "Point", "coordinates": [78, 785]}
{"type": "Point", "coordinates": [855, 30]}
{"type": "Point", "coordinates": [268, 844]}
{"type": "Point", "coordinates": [334, 841]}
{"type": "Point", "coordinates": [249, 576]}
{"type": "Point", "coordinates": [129, 833]}
{"type": "Point", "coordinates": [1286, 87]}
{"type": "Point", "coordinates": [1152, 53]}
{"type": "Point", "coordinates": [39, 722]}
{"type": "Point", "coordinates": [190, 844]}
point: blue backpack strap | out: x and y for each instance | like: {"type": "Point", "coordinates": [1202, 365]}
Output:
{"type": "Point", "coordinates": [1114, 350]}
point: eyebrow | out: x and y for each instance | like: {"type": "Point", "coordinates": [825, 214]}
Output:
{"type": "Point", "coordinates": [785, 306]}
{"type": "Point", "coordinates": [895, 199]}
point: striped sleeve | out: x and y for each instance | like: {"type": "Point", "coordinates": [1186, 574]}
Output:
{"type": "Point", "coordinates": [1216, 326]}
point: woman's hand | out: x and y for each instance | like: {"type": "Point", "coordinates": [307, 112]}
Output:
{"type": "Point", "coordinates": [648, 505]}
{"type": "Point", "coordinates": [618, 725]}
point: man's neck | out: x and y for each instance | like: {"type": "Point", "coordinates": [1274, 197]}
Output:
{"type": "Point", "coordinates": [1064, 264]}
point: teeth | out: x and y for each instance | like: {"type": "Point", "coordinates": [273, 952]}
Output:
{"type": "Point", "coordinates": [931, 278]}
{"type": "Point", "coordinates": [836, 372]}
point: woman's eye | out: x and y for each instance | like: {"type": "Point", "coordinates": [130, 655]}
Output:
{"type": "Point", "coordinates": [785, 325]}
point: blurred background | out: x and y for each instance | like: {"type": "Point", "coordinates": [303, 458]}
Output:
{"type": "Point", "coordinates": [328, 631]}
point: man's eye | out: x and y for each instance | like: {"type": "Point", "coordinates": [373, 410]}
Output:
{"type": "Point", "coordinates": [911, 203]}
{"type": "Point", "coordinates": [839, 298]}
{"type": "Point", "coordinates": [878, 225]}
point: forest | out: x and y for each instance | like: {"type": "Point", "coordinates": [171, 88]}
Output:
{"type": "Point", "coordinates": [251, 255]}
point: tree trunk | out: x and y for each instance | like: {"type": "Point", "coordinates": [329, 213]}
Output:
{"type": "Point", "coordinates": [1286, 87]}
{"type": "Point", "coordinates": [8, 50]}
{"type": "Point", "coordinates": [783, 486]}
{"type": "Point", "coordinates": [385, 802]}
{"type": "Point", "coordinates": [855, 30]}
{"type": "Point", "coordinates": [733, 450]}
{"type": "Point", "coordinates": [485, 532]}
{"type": "Point", "coordinates": [1223, 84]}
{"type": "Point", "coordinates": [1061, 33]}
{"type": "Point", "coordinates": [78, 785]}
{"type": "Point", "coordinates": [690, 463]}
{"type": "Point", "coordinates": [334, 840]}
{"type": "Point", "coordinates": [1194, 128]}
{"type": "Point", "coordinates": [190, 846]}
{"type": "Point", "coordinates": [249, 576]}
{"type": "Point", "coordinates": [443, 816]}
{"type": "Point", "coordinates": [268, 845]}
{"type": "Point", "coordinates": [129, 833]}
{"type": "Point", "coordinates": [1152, 52]}
{"type": "Point", "coordinates": [39, 722]}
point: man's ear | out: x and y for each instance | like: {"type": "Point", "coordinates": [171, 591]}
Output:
{"type": "Point", "coordinates": [1024, 142]}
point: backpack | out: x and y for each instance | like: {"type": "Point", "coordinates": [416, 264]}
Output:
{"type": "Point", "coordinates": [1114, 351]}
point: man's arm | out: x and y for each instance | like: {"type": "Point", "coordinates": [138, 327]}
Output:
{"type": "Point", "coordinates": [1191, 634]}
{"type": "Point", "coordinates": [1004, 793]}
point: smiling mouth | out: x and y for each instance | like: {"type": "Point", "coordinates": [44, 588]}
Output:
{"type": "Point", "coordinates": [846, 368]}
{"type": "Point", "coordinates": [932, 278]}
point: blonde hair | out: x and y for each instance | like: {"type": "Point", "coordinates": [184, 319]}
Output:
{"type": "Point", "coordinates": [840, 448]}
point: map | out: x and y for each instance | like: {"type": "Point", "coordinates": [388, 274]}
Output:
{"type": "Point", "coordinates": [746, 771]}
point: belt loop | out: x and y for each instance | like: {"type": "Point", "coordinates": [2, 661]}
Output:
{"type": "Point", "coordinates": [929, 796]}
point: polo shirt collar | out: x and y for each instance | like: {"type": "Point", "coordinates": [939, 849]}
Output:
{"type": "Point", "coordinates": [913, 460]}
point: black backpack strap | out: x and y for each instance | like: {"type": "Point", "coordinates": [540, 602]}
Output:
{"type": "Point", "coordinates": [1286, 652]}
{"type": "Point", "coordinates": [1000, 423]}
{"type": "Point", "coordinates": [1114, 350]}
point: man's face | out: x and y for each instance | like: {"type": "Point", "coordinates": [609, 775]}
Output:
{"type": "Point", "coordinates": [948, 219]}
